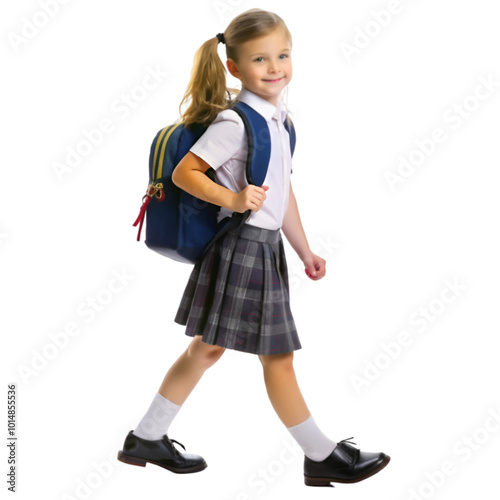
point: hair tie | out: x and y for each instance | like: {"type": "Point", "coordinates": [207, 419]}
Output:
{"type": "Point", "coordinates": [221, 38]}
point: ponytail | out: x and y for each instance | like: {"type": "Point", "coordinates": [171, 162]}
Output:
{"type": "Point", "coordinates": [207, 93]}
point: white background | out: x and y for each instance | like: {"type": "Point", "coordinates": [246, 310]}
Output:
{"type": "Point", "coordinates": [389, 252]}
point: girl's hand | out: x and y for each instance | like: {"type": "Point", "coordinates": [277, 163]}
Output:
{"type": "Point", "coordinates": [252, 197]}
{"type": "Point", "coordinates": [315, 266]}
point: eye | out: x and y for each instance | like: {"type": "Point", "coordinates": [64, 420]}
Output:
{"type": "Point", "coordinates": [283, 56]}
{"type": "Point", "coordinates": [259, 59]}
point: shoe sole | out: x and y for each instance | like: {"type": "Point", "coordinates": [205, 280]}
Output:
{"type": "Point", "coordinates": [141, 462]}
{"type": "Point", "coordinates": [325, 481]}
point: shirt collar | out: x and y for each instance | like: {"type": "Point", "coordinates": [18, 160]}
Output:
{"type": "Point", "coordinates": [265, 108]}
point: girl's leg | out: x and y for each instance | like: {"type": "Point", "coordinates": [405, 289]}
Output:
{"type": "Point", "coordinates": [283, 389]}
{"type": "Point", "coordinates": [323, 462]}
{"type": "Point", "coordinates": [187, 371]}
{"type": "Point", "coordinates": [289, 404]}
{"type": "Point", "coordinates": [178, 383]}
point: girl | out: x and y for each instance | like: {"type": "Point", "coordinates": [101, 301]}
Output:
{"type": "Point", "coordinates": [237, 296]}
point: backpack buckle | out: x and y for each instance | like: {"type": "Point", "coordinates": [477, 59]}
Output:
{"type": "Point", "coordinates": [156, 190]}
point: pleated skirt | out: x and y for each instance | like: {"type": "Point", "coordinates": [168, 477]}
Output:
{"type": "Point", "coordinates": [238, 296]}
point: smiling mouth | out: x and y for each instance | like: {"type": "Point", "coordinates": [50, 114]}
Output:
{"type": "Point", "coordinates": [275, 80]}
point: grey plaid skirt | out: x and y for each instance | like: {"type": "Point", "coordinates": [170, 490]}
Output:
{"type": "Point", "coordinates": [237, 295]}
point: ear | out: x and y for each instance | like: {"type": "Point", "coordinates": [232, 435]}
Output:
{"type": "Point", "coordinates": [233, 69]}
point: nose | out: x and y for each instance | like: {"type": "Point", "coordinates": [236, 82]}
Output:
{"type": "Point", "coordinates": [273, 66]}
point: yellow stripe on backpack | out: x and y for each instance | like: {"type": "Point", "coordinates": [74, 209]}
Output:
{"type": "Point", "coordinates": [158, 170]}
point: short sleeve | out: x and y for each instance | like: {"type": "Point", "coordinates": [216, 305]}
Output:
{"type": "Point", "coordinates": [223, 139]}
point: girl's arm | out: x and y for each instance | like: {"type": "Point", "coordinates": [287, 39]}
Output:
{"type": "Point", "coordinates": [189, 175]}
{"type": "Point", "coordinates": [294, 232]}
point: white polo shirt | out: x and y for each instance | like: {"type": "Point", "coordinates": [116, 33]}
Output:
{"type": "Point", "coordinates": [224, 147]}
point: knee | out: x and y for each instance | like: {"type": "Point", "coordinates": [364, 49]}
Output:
{"type": "Point", "coordinates": [204, 355]}
{"type": "Point", "coordinates": [277, 361]}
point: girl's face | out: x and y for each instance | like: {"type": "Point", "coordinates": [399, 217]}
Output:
{"type": "Point", "coordinates": [264, 66]}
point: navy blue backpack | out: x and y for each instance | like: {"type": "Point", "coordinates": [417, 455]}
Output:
{"type": "Point", "coordinates": [179, 225]}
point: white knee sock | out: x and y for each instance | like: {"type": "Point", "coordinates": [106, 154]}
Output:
{"type": "Point", "coordinates": [315, 444]}
{"type": "Point", "coordinates": [157, 419]}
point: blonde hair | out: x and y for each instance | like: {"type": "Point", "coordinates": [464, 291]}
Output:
{"type": "Point", "coordinates": [207, 93]}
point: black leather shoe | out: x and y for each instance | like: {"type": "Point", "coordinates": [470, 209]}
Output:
{"type": "Point", "coordinates": [346, 464]}
{"type": "Point", "coordinates": [162, 452]}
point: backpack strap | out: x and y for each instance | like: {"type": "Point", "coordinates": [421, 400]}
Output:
{"type": "Point", "coordinates": [258, 157]}
{"type": "Point", "coordinates": [259, 143]}
{"type": "Point", "coordinates": [291, 132]}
